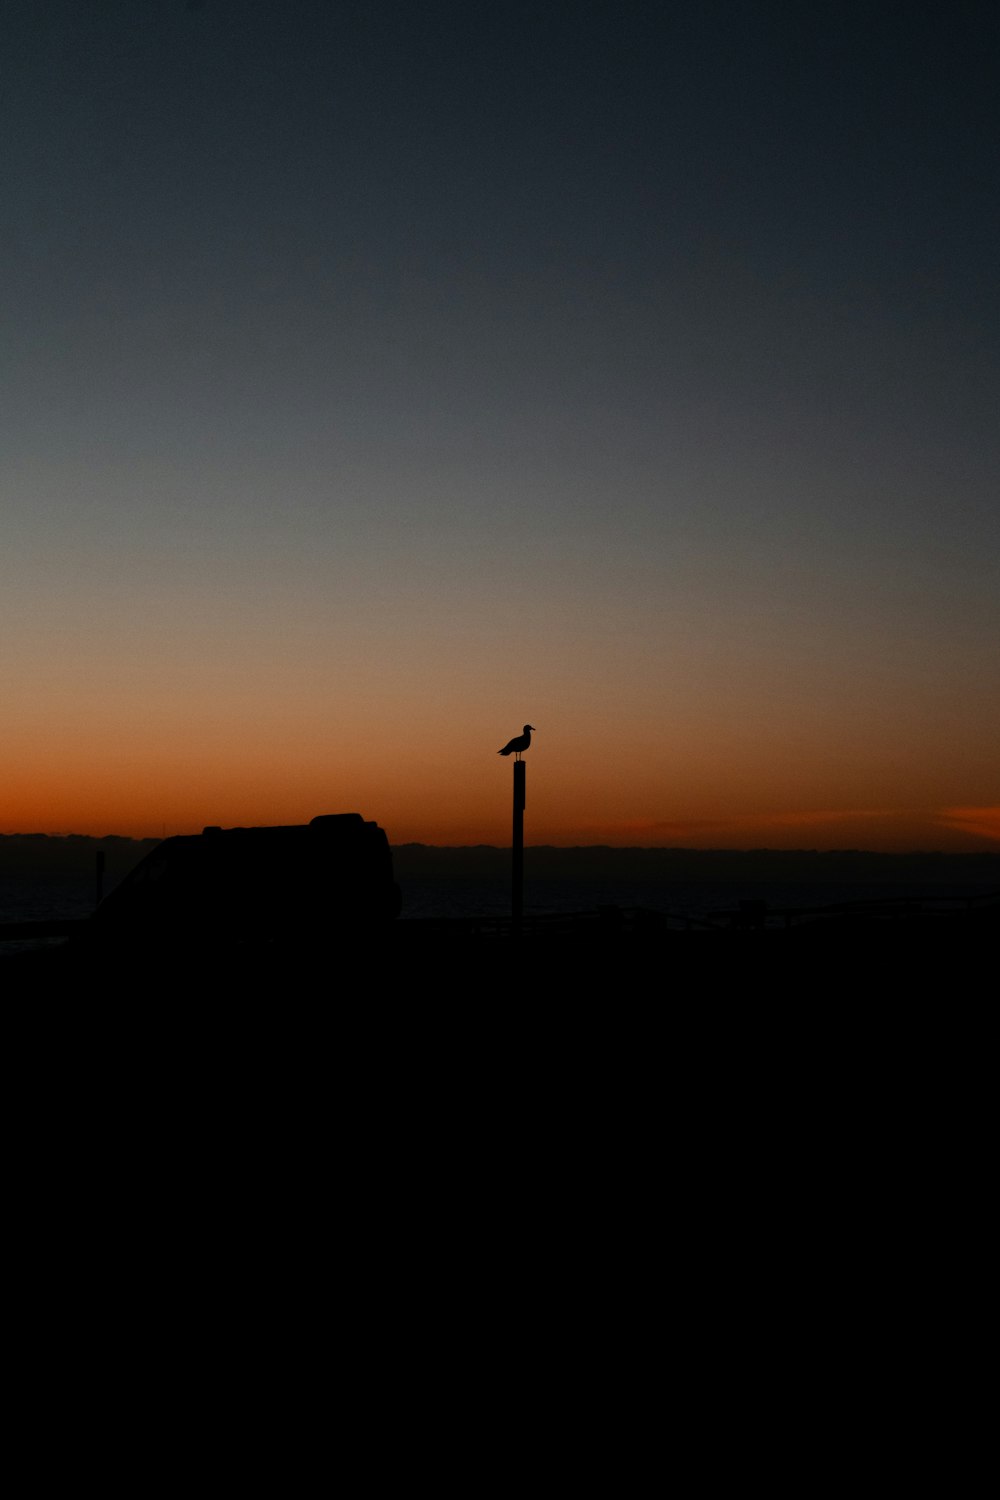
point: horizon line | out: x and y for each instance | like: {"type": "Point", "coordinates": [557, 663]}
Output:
{"type": "Point", "coordinates": [563, 848]}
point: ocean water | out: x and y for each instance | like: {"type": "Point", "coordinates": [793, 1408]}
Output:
{"type": "Point", "coordinates": [61, 897]}
{"type": "Point", "coordinates": [454, 896]}
{"type": "Point", "coordinates": [46, 898]}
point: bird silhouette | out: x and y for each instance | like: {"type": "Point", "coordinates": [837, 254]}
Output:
{"type": "Point", "coordinates": [518, 743]}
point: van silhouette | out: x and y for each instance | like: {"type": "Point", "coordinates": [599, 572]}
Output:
{"type": "Point", "coordinates": [244, 889]}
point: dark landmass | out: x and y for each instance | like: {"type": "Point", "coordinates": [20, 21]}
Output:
{"type": "Point", "coordinates": [23, 854]}
{"type": "Point", "coordinates": [41, 854]}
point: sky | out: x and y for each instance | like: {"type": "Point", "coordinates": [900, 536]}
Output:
{"type": "Point", "coordinates": [378, 378]}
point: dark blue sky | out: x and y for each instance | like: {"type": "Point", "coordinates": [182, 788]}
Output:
{"type": "Point", "coordinates": [651, 347]}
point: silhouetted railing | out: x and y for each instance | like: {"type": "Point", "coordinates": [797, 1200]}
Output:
{"type": "Point", "coordinates": [751, 916]}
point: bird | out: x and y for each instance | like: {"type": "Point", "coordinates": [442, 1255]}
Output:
{"type": "Point", "coordinates": [518, 743]}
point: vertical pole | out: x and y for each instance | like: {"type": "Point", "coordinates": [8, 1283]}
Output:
{"type": "Point", "coordinates": [99, 873]}
{"type": "Point", "coordinates": [517, 861]}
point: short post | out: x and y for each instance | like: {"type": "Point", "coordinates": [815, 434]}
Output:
{"type": "Point", "coordinates": [517, 853]}
{"type": "Point", "coordinates": [99, 880]}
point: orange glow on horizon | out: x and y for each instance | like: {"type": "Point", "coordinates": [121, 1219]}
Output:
{"type": "Point", "coordinates": [615, 776]}
{"type": "Point", "coordinates": [470, 809]}
{"type": "Point", "coordinates": [981, 822]}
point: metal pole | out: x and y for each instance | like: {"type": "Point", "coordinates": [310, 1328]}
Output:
{"type": "Point", "coordinates": [517, 860]}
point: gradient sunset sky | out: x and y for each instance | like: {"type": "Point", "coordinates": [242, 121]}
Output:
{"type": "Point", "coordinates": [380, 377]}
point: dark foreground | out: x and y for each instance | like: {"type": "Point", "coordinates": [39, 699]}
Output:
{"type": "Point", "coordinates": [313, 910]}
{"type": "Point", "coordinates": [863, 948]}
